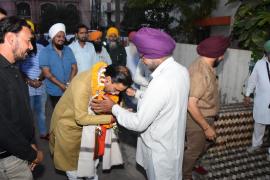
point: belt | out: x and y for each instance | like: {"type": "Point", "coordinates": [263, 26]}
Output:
{"type": "Point", "coordinates": [4, 155]}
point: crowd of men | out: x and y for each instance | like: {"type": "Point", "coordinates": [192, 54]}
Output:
{"type": "Point", "coordinates": [172, 108]}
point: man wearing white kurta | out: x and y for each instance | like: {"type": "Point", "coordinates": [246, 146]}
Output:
{"type": "Point", "coordinates": [260, 81]}
{"type": "Point", "coordinates": [83, 51]}
{"type": "Point", "coordinates": [161, 114]}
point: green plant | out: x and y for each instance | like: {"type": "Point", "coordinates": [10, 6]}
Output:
{"type": "Point", "coordinates": [251, 26]}
{"type": "Point", "coordinates": [155, 15]}
{"type": "Point", "coordinates": [189, 12]}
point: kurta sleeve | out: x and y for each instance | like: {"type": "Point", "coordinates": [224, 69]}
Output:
{"type": "Point", "coordinates": [252, 80]}
{"type": "Point", "coordinates": [139, 94]}
{"type": "Point", "coordinates": [148, 110]}
{"type": "Point", "coordinates": [80, 95]}
{"type": "Point", "coordinates": [140, 76]}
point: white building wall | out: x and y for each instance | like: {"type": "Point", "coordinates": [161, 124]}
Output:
{"type": "Point", "coordinates": [232, 72]}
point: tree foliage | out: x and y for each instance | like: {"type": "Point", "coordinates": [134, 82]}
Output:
{"type": "Point", "coordinates": [188, 11]}
{"type": "Point", "coordinates": [251, 26]}
{"type": "Point", "coordinates": [155, 15]}
{"type": "Point", "coordinates": [70, 17]}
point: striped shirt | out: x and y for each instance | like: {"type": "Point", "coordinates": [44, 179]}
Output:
{"type": "Point", "coordinates": [30, 67]}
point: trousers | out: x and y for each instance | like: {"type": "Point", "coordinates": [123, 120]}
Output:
{"type": "Point", "coordinates": [37, 103]}
{"type": "Point", "coordinates": [13, 168]}
{"type": "Point", "coordinates": [196, 145]}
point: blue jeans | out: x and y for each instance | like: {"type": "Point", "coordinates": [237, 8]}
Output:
{"type": "Point", "coordinates": [37, 103]}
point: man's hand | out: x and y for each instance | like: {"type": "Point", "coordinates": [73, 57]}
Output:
{"type": "Point", "coordinates": [247, 101]}
{"type": "Point", "coordinates": [113, 120]}
{"type": "Point", "coordinates": [102, 106]}
{"type": "Point", "coordinates": [210, 133]}
{"type": "Point", "coordinates": [130, 92]}
{"type": "Point", "coordinates": [63, 87]}
{"type": "Point", "coordinates": [38, 159]}
{"type": "Point", "coordinates": [34, 83]}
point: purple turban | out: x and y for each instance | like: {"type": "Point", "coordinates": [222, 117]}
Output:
{"type": "Point", "coordinates": [153, 43]}
{"type": "Point", "coordinates": [213, 47]}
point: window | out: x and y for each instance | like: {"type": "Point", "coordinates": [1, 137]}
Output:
{"type": "Point", "coordinates": [47, 7]}
{"type": "Point", "coordinates": [23, 10]}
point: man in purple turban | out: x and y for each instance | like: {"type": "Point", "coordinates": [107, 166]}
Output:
{"type": "Point", "coordinates": [203, 102]}
{"type": "Point", "coordinates": [161, 113]}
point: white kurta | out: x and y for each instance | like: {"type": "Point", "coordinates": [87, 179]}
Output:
{"type": "Point", "coordinates": [161, 119]}
{"type": "Point", "coordinates": [104, 56]}
{"type": "Point", "coordinates": [142, 76]}
{"type": "Point", "coordinates": [259, 81]}
{"type": "Point", "coordinates": [85, 56]}
{"type": "Point", "coordinates": [132, 58]}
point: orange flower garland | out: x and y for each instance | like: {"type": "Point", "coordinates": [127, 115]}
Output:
{"type": "Point", "coordinates": [97, 90]}
{"type": "Point", "coordinates": [97, 82]}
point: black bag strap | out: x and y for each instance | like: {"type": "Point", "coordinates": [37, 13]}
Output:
{"type": "Point", "coordinates": [268, 72]}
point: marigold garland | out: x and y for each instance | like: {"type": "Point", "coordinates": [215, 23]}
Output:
{"type": "Point", "coordinates": [97, 90]}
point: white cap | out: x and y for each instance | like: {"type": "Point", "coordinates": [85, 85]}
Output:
{"type": "Point", "coordinates": [56, 28]}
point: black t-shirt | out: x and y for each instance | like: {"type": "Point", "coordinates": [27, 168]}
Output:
{"type": "Point", "coordinates": [16, 121]}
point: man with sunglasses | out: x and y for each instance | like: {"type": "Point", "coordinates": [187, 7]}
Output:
{"type": "Point", "coordinates": [259, 81]}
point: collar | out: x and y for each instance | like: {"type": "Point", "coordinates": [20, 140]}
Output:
{"type": "Point", "coordinates": [78, 44]}
{"type": "Point", "coordinates": [208, 66]}
{"type": "Point", "coordinates": [162, 66]}
{"type": "Point", "coordinates": [4, 62]}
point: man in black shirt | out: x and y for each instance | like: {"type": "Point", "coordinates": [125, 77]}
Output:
{"type": "Point", "coordinates": [18, 152]}
{"type": "Point", "coordinates": [116, 51]}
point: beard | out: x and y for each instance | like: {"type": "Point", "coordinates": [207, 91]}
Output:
{"type": "Point", "coordinates": [98, 46]}
{"type": "Point", "coordinates": [216, 63]}
{"type": "Point", "coordinates": [59, 46]}
{"type": "Point", "coordinates": [112, 45]}
{"type": "Point", "coordinates": [82, 39]}
{"type": "Point", "coordinates": [151, 67]}
{"type": "Point", "coordinates": [18, 54]}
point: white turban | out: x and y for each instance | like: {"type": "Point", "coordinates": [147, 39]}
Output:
{"type": "Point", "coordinates": [56, 28]}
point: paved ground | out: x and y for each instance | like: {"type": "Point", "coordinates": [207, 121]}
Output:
{"type": "Point", "coordinates": [231, 163]}
{"type": "Point", "coordinates": [130, 171]}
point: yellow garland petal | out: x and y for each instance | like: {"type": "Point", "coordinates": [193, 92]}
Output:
{"type": "Point", "coordinates": [97, 84]}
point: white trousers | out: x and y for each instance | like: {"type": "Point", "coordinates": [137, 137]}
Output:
{"type": "Point", "coordinates": [72, 175]}
{"type": "Point", "coordinates": [258, 133]}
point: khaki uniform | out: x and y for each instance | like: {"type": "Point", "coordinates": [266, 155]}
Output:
{"type": "Point", "coordinates": [204, 86]}
{"type": "Point", "coordinates": [69, 116]}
